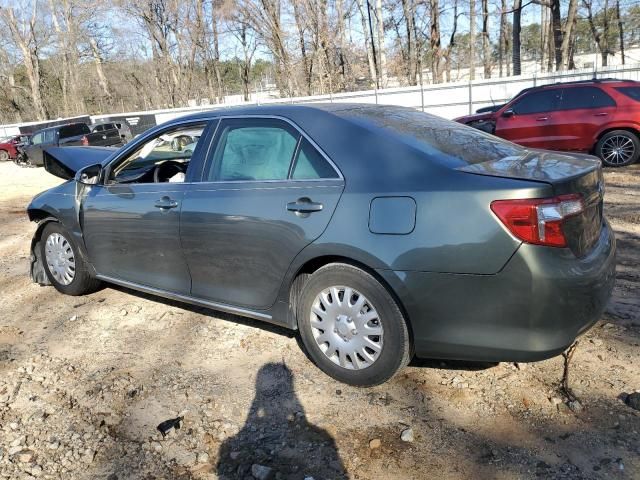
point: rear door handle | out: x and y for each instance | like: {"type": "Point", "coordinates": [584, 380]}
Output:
{"type": "Point", "coordinates": [304, 206]}
{"type": "Point", "coordinates": [600, 114]}
{"type": "Point", "coordinates": [165, 203]}
{"type": "Point", "coordinates": [542, 119]}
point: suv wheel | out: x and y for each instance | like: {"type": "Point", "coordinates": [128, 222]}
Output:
{"type": "Point", "coordinates": [618, 148]}
{"type": "Point", "coordinates": [64, 266]}
{"type": "Point", "coordinates": [351, 327]}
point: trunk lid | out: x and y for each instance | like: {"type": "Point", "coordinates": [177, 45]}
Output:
{"type": "Point", "coordinates": [566, 173]}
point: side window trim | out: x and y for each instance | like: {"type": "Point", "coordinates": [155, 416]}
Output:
{"type": "Point", "coordinates": [301, 134]}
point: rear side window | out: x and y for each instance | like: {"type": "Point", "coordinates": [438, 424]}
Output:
{"type": "Point", "coordinates": [98, 128]}
{"type": "Point", "coordinates": [631, 92]}
{"type": "Point", "coordinates": [49, 136]}
{"type": "Point", "coordinates": [537, 102]}
{"type": "Point", "coordinates": [74, 130]}
{"type": "Point", "coordinates": [253, 150]}
{"type": "Point", "coordinates": [585, 97]}
{"type": "Point", "coordinates": [310, 164]}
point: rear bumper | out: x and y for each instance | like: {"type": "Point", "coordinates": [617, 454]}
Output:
{"type": "Point", "coordinates": [532, 309]}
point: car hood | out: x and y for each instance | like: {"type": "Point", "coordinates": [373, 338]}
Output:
{"type": "Point", "coordinates": [64, 162]}
{"type": "Point", "coordinates": [475, 117]}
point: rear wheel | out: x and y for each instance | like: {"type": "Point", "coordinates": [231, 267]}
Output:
{"type": "Point", "coordinates": [4, 155]}
{"type": "Point", "coordinates": [351, 327]}
{"type": "Point", "coordinates": [618, 148]}
{"type": "Point", "coordinates": [64, 266]}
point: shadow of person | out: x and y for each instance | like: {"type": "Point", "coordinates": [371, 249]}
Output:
{"type": "Point", "coordinates": [277, 441]}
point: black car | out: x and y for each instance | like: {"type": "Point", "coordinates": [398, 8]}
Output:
{"type": "Point", "coordinates": [68, 135]}
{"type": "Point", "coordinates": [377, 232]}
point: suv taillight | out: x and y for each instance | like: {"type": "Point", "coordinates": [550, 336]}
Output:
{"type": "Point", "coordinates": [84, 141]}
{"type": "Point", "coordinates": [538, 220]}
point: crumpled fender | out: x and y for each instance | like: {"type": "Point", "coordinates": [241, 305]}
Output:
{"type": "Point", "coordinates": [36, 266]}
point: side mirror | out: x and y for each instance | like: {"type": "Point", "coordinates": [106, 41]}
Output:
{"type": "Point", "coordinates": [508, 113]}
{"type": "Point", "coordinates": [89, 175]}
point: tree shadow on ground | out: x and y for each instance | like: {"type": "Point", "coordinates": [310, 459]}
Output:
{"type": "Point", "coordinates": [277, 437]}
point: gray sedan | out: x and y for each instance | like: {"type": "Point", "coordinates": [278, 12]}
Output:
{"type": "Point", "coordinates": [377, 232]}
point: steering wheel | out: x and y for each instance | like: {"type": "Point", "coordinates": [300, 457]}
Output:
{"type": "Point", "coordinates": [162, 172]}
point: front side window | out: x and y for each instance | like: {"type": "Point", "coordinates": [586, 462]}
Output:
{"type": "Point", "coordinates": [253, 150]}
{"type": "Point", "coordinates": [49, 136]}
{"type": "Point", "coordinates": [585, 97]}
{"type": "Point", "coordinates": [163, 158]}
{"type": "Point", "coordinates": [37, 138]}
{"type": "Point", "coordinates": [537, 102]}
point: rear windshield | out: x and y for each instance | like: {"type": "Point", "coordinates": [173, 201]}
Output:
{"type": "Point", "coordinates": [74, 130]}
{"type": "Point", "coordinates": [456, 144]}
{"type": "Point", "coordinates": [631, 92]}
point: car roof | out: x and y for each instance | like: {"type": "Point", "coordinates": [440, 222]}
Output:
{"type": "Point", "coordinates": [593, 81]}
{"type": "Point", "coordinates": [57, 126]}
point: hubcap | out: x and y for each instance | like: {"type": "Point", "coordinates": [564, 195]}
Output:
{"type": "Point", "coordinates": [60, 258]}
{"type": "Point", "coordinates": [618, 149]}
{"type": "Point", "coordinates": [346, 327]}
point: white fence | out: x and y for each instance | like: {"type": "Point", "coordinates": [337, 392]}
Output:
{"type": "Point", "coordinates": [447, 100]}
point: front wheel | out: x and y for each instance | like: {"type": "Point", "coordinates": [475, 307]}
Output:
{"type": "Point", "coordinates": [618, 148]}
{"type": "Point", "coordinates": [351, 327]}
{"type": "Point", "coordinates": [64, 266]}
{"type": "Point", "coordinates": [4, 155]}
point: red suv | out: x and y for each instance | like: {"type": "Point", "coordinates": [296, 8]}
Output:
{"type": "Point", "coordinates": [9, 146]}
{"type": "Point", "coordinates": [596, 116]}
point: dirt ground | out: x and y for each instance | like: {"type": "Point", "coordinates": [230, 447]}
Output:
{"type": "Point", "coordinates": [84, 381]}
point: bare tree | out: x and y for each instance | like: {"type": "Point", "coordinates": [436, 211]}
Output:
{"type": "Point", "coordinates": [486, 47]}
{"type": "Point", "coordinates": [434, 41]}
{"type": "Point", "coordinates": [568, 33]}
{"type": "Point", "coordinates": [408, 10]}
{"type": "Point", "coordinates": [601, 38]}
{"type": "Point", "coordinates": [382, 57]}
{"type": "Point", "coordinates": [472, 39]}
{"type": "Point", "coordinates": [517, 27]}
{"type": "Point", "coordinates": [25, 35]}
{"type": "Point", "coordinates": [620, 31]}
{"type": "Point", "coordinates": [365, 16]}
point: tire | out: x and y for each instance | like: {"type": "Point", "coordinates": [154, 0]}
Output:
{"type": "Point", "coordinates": [345, 327]}
{"type": "Point", "coordinates": [4, 155]}
{"type": "Point", "coordinates": [618, 148]}
{"type": "Point", "coordinates": [62, 246]}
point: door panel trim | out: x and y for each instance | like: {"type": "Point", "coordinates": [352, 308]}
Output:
{"type": "Point", "coordinates": [188, 299]}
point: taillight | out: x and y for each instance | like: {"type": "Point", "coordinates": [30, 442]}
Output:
{"type": "Point", "coordinates": [538, 220]}
{"type": "Point", "coordinates": [84, 141]}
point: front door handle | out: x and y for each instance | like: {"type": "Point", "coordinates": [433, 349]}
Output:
{"type": "Point", "coordinates": [600, 114]}
{"type": "Point", "coordinates": [165, 203]}
{"type": "Point", "coordinates": [304, 206]}
{"type": "Point", "coordinates": [542, 119]}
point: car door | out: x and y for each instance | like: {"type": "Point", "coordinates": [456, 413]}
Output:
{"type": "Point", "coordinates": [131, 223]}
{"type": "Point", "coordinates": [581, 115]}
{"type": "Point", "coordinates": [527, 120]}
{"type": "Point", "coordinates": [266, 192]}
